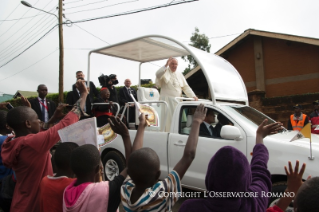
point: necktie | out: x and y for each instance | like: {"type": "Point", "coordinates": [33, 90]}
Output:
{"type": "Point", "coordinates": [43, 110]}
{"type": "Point", "coordinates": [212, 130]}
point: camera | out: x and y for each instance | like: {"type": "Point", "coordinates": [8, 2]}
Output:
{"type": "Point", "coordinates": [104, 80]}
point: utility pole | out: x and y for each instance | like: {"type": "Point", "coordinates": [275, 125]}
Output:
{"type": "Point", "coordinates": [61, 59]}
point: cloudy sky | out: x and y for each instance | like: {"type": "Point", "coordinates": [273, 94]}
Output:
{"type": "Point", "coordinates": [220, 20]}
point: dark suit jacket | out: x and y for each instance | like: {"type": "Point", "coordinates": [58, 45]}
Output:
{"type": "Point", "coordinates": [73, 96]}
{"type": "Point", "coordinates": [113, 94]}
{"type": "Point", "coordinates": [35, 105]}
{"type": "Point", "coordinates": [203, 131]}
{"type": "Point", "coordinates": [124, 97]}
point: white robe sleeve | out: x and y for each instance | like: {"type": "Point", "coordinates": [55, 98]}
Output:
{"type": "Point", "coordinates": [162, 75]}
{"type": "Point", "coordinates": [185, 87]}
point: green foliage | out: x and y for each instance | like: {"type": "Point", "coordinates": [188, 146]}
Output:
{"type": "Point", "coordinates": [199, 41]}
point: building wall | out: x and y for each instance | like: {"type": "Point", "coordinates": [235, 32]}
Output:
{"type": "Point", "coordinates": [290, 68]}
{"type": "Point", "coordinates": [242, 58]}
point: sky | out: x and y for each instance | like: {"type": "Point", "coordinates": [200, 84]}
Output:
{"type": "Point", "coordinates": [221, 21]}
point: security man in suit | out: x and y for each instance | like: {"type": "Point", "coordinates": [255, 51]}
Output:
{"type": "Point", "coordinates": [74, 95]}
{"type": "Point", "coordinates": [206, 129]}
{"type": "Point", "coordinates": [43, 106]}
{"type": "Point", "coordinates": [124, 97]}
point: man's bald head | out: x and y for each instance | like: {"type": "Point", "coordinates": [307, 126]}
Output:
{"type": "Point", "coordinates": [18, 116]}
{"type": "Point", "coordinates": [127, 83]}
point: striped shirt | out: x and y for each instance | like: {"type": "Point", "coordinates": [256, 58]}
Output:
{"type": "Point", "coordinates": [161, 197]}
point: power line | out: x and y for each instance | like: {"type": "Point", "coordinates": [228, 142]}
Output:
{"type": "Point", "coordinates": [26, 42]}
{"type": "Point", "coordinates": [91, 34]}
{"type": "Point", "coordinates": [224, 36]}
{"type": "Point", "coordinates": [135, 11]}
{"type": "Point", "coordinates": [72, 2]}
{"type": "Point", "coordinates": [29, 46]}
{"type": "Point", "coordinates": [29, 66]}
{"type": "Point", "coordinates": [17, 21]}
{"type": "Point", "coordinates": [12, 12]}
{"type": "Point", "coordinates": [102, 7]}
{"type": "Point", "coordinates": [86, 4]}
{"type": "Point", "coordinates": [24, 35]}
{"type": "Point", "coordinates": [23, 18]}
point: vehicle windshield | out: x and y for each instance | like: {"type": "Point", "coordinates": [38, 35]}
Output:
{"type": "Point", "coordinates": [251, 114]}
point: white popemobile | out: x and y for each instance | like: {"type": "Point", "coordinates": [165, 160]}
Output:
{"type": "Point", "coordinates": [229, 98]}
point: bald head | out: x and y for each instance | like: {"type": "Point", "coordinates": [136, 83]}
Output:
{"type": "Point", "coordinates": [144, 166]}
{"type": "Point", "coordinates": [105, 93]}
{"type": "Point", "coordinates": [127, 83]}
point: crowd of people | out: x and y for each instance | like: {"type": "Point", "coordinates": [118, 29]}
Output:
{"type": "Point", "coordinates": [29, 182]}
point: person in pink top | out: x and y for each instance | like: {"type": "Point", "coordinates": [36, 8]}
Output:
{"type": "Point", "coordinates": [88, 192]}
{"type": "Point", "coordinates": [27, 153]}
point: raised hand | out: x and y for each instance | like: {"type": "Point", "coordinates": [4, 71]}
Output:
{"type": "Point", "coordinates": [3, 105]}
{"type": "Point", "coordinates": [118, 126]}
{"type": "Point", "coordinates": [58, 114]}
{"type": "Point", "coordinates": [168, 62]}
{"type": "Point", "coordinates": [294, 176]}
{"type": "Point", "coordinates": [25, 101]}
{"type": "Point", "coordinates": [200, 114]}
{"type": "Point", "coordinates": [143, 120]}
{"type": "Point", "coordinates": [80, 85]}
{"type": "Point", "coordinates": [264, 130]}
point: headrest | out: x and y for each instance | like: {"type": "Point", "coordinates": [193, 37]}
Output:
{"type": "Point", "coordinates": [147, 94]}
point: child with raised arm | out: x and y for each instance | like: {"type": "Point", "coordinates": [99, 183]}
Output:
{"type": "Point", "coordinates": [229, 171]}
{"type": "Point", "coordinates": [88, 192]}
{"type": "Point", "coordinates": [141, 190]}
{"type": "Point", "coordinates": [27, 153]}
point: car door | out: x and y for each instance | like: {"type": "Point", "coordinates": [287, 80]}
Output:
{"type": "Point", "coordinates": [206, 148]}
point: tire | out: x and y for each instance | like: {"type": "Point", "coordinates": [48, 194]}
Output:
{"type": "Point", "coordinates": [277, 189]}
{"type": "Point", "coordinates": [114, 164]}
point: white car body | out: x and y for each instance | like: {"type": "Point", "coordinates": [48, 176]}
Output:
{"type": "Point", "coordinates": [228, 91]}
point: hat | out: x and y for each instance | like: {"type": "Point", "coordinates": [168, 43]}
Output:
{"type": "Point", "coordinates": [297, 106]}
{"type": "Point", "coordinates": [316, 102]}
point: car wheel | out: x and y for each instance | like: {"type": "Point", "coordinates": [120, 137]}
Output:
{"type": "Point", "coordinates": [113, 163]}
{"type": "Point", "coordinates": [276, 190]}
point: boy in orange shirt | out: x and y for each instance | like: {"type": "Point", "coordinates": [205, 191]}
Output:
{"type": "Point", "coordinates": [52, 187]}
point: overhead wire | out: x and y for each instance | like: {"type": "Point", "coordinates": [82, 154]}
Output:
{"type": "Point", "coordinates": [17, 21]}
{"type": "Point", "coordinates": [91, 34]}
{"type": "Point", "coordinates": [24, 34]}
{"type": "Point", "coordinates": [101, 7]}
{"type": "Point", "coordinates": [102, 17]}
{"type": "Point", "coordinates": [22, 18]}
{"type": "Point", "coordinates": [26, 42]}
{"type": "Point", "coordinates": [29, 66]}
{"type": "Point", "coordinates": [11, 12]}
{"type": "Point", "coordinates": [67, 8]}
{"type": "Point", "coordinates": [135, 11]}
{"type": "Point", "coordinates": [29, 46]}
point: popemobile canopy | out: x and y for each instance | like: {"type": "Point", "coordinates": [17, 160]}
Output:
{"type": "Point", "coordinates": [224, 81]}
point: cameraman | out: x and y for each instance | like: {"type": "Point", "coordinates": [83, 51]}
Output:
{"type": "Point", "coordinates": [113, 93]}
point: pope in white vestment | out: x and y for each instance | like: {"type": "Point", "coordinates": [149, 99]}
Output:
{"type": "Point", "coordinates": [172, 83]}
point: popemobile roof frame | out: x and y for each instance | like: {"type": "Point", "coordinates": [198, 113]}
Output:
{"type": "Point", "coordinates": [224, 81]}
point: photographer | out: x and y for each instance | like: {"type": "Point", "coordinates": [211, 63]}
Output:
{"type": "Point", "coordinates": [113, 81]}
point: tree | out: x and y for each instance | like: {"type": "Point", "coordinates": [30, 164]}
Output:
{"type": "Point", "coordinates": [199, 41]}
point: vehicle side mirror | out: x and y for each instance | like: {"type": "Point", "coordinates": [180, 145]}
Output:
{"type": "Point", "coordinates": [230, 132]}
